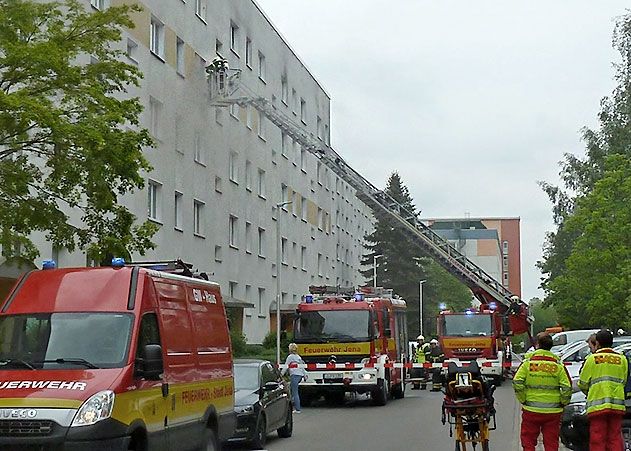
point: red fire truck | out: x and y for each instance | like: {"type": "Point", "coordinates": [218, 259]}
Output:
{"type": "Point", "coordinates": [346, 338]}
{"type": "Point", "coordinates": [483, 334]}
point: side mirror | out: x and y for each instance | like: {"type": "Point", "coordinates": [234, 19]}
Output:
{"type": "Point", "coordinates": [271, 386]}
{"type": "Point", "coordinates": [150, 365]}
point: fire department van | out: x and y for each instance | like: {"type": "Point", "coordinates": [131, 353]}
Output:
{"type": "Point", "coordinates": [114, 358]}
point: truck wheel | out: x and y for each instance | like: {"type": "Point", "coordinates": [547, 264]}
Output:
{"type": "Point", "coordinates": [380, 394]}
{"type": "Point", "coordinates": [398, 391]}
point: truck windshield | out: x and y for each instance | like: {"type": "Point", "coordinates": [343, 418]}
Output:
{"type": "Point", "coordinates": [467, 325]}
{"type": "Point", "coordinates": [64, 340]}
{"type": "Point", "coordinates": [332, 325]}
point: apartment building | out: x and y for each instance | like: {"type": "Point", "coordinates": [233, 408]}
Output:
{"type": "Point", "coordinates": [491, 243]}
{"type": "Point", "coordinates": [219, 172]}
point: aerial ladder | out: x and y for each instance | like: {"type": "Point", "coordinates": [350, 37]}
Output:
{"type": "Point", "coordinates": [227, 88]}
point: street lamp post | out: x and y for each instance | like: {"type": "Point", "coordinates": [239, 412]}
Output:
{"type": "Point", "coordinates": [420, 306]}
{"type": "Point", "coordinates": [374, 269]}
{"type": "Point", "coordinates": [278, 286]}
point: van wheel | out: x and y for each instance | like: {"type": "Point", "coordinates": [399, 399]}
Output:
{"type": "Point", "coordinates": [288, 428]}
{"type": "Point", "coordinates": [260, 433]}
{"type": "Point", "coordinates": [380, 395]}
{"type": "Point", "coordinates": [209, 442]}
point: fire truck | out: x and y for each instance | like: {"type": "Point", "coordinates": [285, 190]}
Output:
{"type": "Point", "coordinates": [346, 338]}
{"type": "Point", "coordinates": [483, 334]}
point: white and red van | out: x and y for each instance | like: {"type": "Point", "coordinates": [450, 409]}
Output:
{"type": "Point", "coordinates": [116, 358]}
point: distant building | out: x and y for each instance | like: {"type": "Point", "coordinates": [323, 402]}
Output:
{"type": "Point", "coordinates": [219, 172]}
{"type": "Point", "coordinates": [491, 243]}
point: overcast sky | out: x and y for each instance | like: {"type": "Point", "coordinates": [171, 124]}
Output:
{"type": "Point", "coordinates": [472, 102]}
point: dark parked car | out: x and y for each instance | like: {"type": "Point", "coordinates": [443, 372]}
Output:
{"type": "Point", "coordinates": [261, 401]}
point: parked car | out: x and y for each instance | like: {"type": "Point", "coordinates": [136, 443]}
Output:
{"type": "Point", "coordinates": [561, 339]}
{"type": "Point", "coordinates": [574, 424]}
{"type": "Point", "coordinates": [262, 402]}
{"type": "Point", "coordinates": [575, 355]}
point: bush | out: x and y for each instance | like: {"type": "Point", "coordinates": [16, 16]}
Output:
{"type": "Point", "coordinates": [269, 342]}
{"type": "Point", "coordinates": [239, 345]}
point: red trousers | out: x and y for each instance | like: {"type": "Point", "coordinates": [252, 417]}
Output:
{"type": "Point", "coordinates": [605, 432]}
{"type": "Point", "coordinates": [533, 424]}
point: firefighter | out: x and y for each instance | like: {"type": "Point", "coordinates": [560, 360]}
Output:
{"type": "Point", "coordinates": [436, 355]}
{"type": "Point", "coordinates": [419, 357]}
{"type": "Point", "coordinates": [542, 386]}
{"type": "Point", "coordinates": [602, 379]}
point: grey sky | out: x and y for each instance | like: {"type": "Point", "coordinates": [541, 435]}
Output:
{"type": "Point", "coordinates": [472, 102]}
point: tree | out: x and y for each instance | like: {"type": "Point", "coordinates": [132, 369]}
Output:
{"type": "Point", "coordinates": [544, 316]}
{"type": "Point", "coordinates": [69, 136]}
{"type": "Point", "coordinates": [402, 266]}
{"type": "Point", "coordinates": [580, 177]}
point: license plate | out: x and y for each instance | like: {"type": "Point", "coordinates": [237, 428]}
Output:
{"type": "Point", "coordinates": [332, 376]}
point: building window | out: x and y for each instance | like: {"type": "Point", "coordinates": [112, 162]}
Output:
{"type": "Point", "coordinates": [155, 113]}
{"type": "Point", "coordinates": [248, 117]}
{"type": "Point", "coordinates": [295, 203]}
{"type": "Point", "coordinates": [156, 37]}
{"type": "Point", "coordinates": [505, 247]}
{"type": "Point", "coordinates": [303, 111]}
{"type": "Point", "coordinates": [283, 251]}
{"type": "Point", "coordinates": [198, 218]}
{"type": "Point", "coordinates": [319, 127]}
{"type": "Point", "coordinates": [248, 237]}
{"type": "Point", "coordinates": [505, 262]}
{"type": "Point", "coordinates": [262, 69]}
{"type": "Point", "coordinates": [234, 38]}
{"type": "Point", "coordinates": [284, 195]}
{"type": "Point", "coordinates": [320, 264]}
{"type": "Point", "coordinates": [132, 50]}
{"type": "Point", "coordinates": [296, 150]}
{"type": "Point", "coordinates": [294, 254]}
{"type": "Point", "coordinates": [248, 52]}
{"type": "Point", "coordinates": [232, 167]}
{"type": "Point", "coordinates": [294, 101]}
{"type": "Point", "coordinates": [218, 47]}
{"type": "Point", "coordinates": [99, 4]}
{"type": "Point", "coordinates": [199, 156]}
{"type": "Point", "coordinates": [319, 173]}
{"type": "Point", "coordinates": [261, 301]}
{"type": "Point", "coordinates": [200, 9]}
{"type": "Point", "coordinates": [248, 298]}
{"type": "Point", "coordinates": [320, 218]}
{"type": "Point", "coordinates": [261, 183]}
{"type": "Point", "coordinates": [218, 253]}
{"type": "Point", "coordinates": [178, 221]}
{"type": "Point", "coordinates": [232, 289]}
{"type": "Point", "coordinates": [303, 208]}
{"type": "Point", "coordinates": [248, 175]}
{"type": "Point", "coordinates": [261, 242]}
{"type": "Point", "coordinates": [505, 283]}
{"type": "Point", "coordinates": [234, 111]}
{"type": "Point", "coordinates": [303, 258]}
{"type": "Point", "coordinates": [261, 127]}
{"type": "Point", "coordinates": [179, 123]}
{"type": "Point", "coordinates": [284, 90]}
{"type": "Point", "coordinates": [179, 56]}
{"type": "Point", "coordinates": [284, 144]}
{"type": "Point", "coordinates": [153, 200]}
{"type": "Point", "coordinates": [326, 134]}
{"type": "Point", "coordinates": [218, 184]}
{"type": "Point", "coordinates": [303, 160]}
{"type": "Point", "coordinates": [233, 228]}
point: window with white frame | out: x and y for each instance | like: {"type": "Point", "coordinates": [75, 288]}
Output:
{"type": "Point", "coordinates": [155, 113]}
{"type": "Point", "coordinates": [248, 117]}
{"type": "Point", "coordinates": [261, 126]}
{"type": "Point", "coordinates": [294, 101]}
{"type": "Point", "coordinates": [505, 262]}
{"type": "Point", "coordinates": [303, 258]}
{"type": "Point", "coordinates": [319, 264]}
{"type": "Point", "coordinates": [234, 111]}
{"type": "Point", "coordinates": [200, 9]}
{"type": "Point", "coordinates": [178, 213]}
{"type": "Point", "coordinates": [248, 52]}
{"type": "Point", "coordinates": [295, 204]}
{"type": "Point", "coordinates": [297, 149]}
{"type": "Point", "coordinates": [261, 301]}
{"type": "Point", "coordinates": [132, 50]}
{"type": "Point", "coordinates": [294, 254]}
{"type": "Point", "coordinates": [218, 47]}
{"type": "Point", "coordinates": [248, 299]}
{"type": "Point", "coordinates": [100, 4]}
{"type": "Point", "coordinates": [505, 247]}
{"type": "Point", "coordinates": [156, 38]}
{"type": "Point", "coordinates": [320, 218]}
{"type": "Point", "coordinates": [303, 209]}
{"type": "Point", "coordinates": [198, 217]}
{"type": "Point", "coordinates": [179, 56]}
{"type": "Point", "coordinates": [262, 68]}
{"type": "Point", "coordinates": [232, 289]}
{"type": "Point", "coordinates": [154, 200]}
{"type": "Point", "coordinates": [218, 184]}
{"type": "Point", "coordinates": [283, 250]}
{"type": "Point", "coordinates": [284, 144]}
{"type": "Point", "coordinates": [233, 168]}
{"type": "Point", "coordinates": [303, 159]}
{"type": "Point", "coordinates": [319, 173]}
{"type": "Point", "coordinates": [248, 237]}
{"type": "Point", "coordinates": [248, 175]}
{"type": "Point", "coordinates": [284, 90]}
{"type": "Point", "coordinates": [234, 38]}
{"type": "Point", "coordinates": [260, 185]}
{"type": "Point", "coordinates": [303, 110]}
{"type": "Point", "coordinates": [199, 156]}
{"type": "Point", "coordinates": [218, 254]}
{"type": "Point", "coordinates": [284, 194]}
{"type": "Point", "coordinates": [233, 231]}
{"type": "Point", "coordinates": [319, 127]}
{"type": "Point", "coordinates": [261, 242]}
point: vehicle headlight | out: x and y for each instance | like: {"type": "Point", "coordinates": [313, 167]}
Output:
{"type": "Point", "coordinates": [244, 409]}
{"type": "Point", "coordinates": [577, 408]}
{"type": "Point", "coordinates": [98, 407]}
{"type": "Point", "coordinates": [365, 376]}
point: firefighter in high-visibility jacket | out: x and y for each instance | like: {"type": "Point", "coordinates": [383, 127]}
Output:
{"type": "Point", "coordinates": [603, 379]}
{"type": "Point", "coordinates": [419, 357]}
{"type": "Point", "coordinates": [542, 386]}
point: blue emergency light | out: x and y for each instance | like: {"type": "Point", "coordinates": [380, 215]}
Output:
{"type": "Point", "coordinates": [493, 305]}
{"type": "Point", "coordinates": [442, 306]}
{"type": "Point", "coordinates": [309, 298]}
{"type": "Point", "coordinates": [118, 262]}
{"type": "Point", "coordinates": [469, 312]}
{"type": "Point", "coordinates": [359, 297]}
{"type": "Point", "coordinates": [49, 264]}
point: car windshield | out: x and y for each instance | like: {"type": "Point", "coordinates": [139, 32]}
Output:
{"type": "Point", "coordinates": [332, 325]}
{"type": "Point", "coordinates": [467, 325]}
{"type": "Point", "coordinates": [64, 340]}
{"type": "Point", "coordinates": [246, 377]}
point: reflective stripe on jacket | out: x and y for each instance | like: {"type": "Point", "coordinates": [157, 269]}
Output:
{"type": "Point", "coordinates": [420, 353]}
{"type": "Point", "coordinates": [542, 384]}
{"type": "Point", "coordinates": [602, 379]}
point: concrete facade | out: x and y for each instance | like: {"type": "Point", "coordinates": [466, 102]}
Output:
{"type": "Point", "coordinates": [219, 172]}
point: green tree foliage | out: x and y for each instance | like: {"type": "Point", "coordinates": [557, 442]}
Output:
{"type": "Point", "coordinates": [583, 200]}
{"type": "Point", "coordinates": [402, 266]}
{"type": "Point", "coordinates": [69, 136]}
{"type": "Point", "coordinates": [544, 316]}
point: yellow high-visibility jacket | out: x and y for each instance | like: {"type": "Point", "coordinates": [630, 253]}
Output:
{"type": "Point", "coordinates": [602, 379]}
{"type": "Point", "coordinates": [542, 384]}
